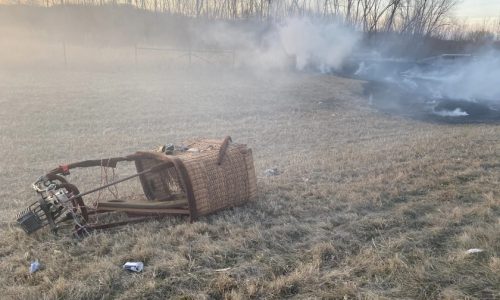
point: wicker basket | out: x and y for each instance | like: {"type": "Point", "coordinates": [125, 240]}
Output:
{"type": "Point", "coordinates": [211, 175]}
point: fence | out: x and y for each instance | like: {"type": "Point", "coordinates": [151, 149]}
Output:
{"type": "Point", "coordinates": [204, 55]}
{"type": "Point", "coordinates": [142, 55]}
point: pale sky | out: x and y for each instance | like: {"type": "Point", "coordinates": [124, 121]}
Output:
{"type": "Point", "coordinates": [475, 9]}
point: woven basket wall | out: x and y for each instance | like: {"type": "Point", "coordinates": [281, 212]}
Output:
{"type": "Point", "coordinates": [214, 186]}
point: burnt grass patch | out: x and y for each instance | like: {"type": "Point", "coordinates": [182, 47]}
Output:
{"type": "Point", "coordinates": [395, 99]}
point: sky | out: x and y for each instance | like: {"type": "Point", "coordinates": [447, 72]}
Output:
{"type": "Point", "coordinates": [476, 9]}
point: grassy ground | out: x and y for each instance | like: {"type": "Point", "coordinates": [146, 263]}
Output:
{"type": "Point", "coordinates": [368, 205]}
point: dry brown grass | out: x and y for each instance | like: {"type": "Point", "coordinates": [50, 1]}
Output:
{"type": "Point", "coordinates": [367, 206]}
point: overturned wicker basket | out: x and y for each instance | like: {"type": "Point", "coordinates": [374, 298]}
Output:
{"type": "Point", "coordinates": [200, 178]}
{"type": "Point", "coordinates": [210, 176]}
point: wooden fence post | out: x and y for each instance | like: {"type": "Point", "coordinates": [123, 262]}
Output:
{"type": "Point", "coordinates": [64, 54]}
{"type": "Point", "coordinates": [135, 54]}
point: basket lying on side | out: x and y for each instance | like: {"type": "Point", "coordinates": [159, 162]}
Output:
{"type": "Point", "coordinates": [211, 175]}
{"type": "Point", "coordinates": [197, 179]}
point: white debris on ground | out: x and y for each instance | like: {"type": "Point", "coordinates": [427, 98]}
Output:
{"type": "Point", "coordinates": [223, 270]}
{"type": "Point", "coordinates": [135, 266]}
{"type": "Point", "coordinates": [34, 266]}
{"type": "Point", "coordinates": [474, 250]}
{"type": "Point", "coordinates": [272, 172]}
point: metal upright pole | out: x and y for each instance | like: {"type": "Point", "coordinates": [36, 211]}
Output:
{"type": "Point", "coordinates": [135, 54]}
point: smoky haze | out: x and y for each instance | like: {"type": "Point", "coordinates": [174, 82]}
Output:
{"type": "Point", "coordinates": [295, 43]}
{"type": "Point", "coordinates": [104, 35]}
{"type": "Point", "coordinates": [73, 36]}
{"type": "Point", "coordinates": [474, 80]}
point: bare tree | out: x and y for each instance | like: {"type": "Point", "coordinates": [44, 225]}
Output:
{"type": "Point", "coordinates": [418, 17]}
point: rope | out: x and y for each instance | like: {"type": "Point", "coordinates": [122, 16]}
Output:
{"type": "Point", "coordinates": [105, 180]}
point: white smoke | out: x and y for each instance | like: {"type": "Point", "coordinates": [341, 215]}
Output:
{"type": "Point", "coordinates": [324, 46]}
{"type": "Point", "coordinates": [477, 79]}
{"type": "Point", "coordinates": [299, 43]}
{"type": "Point", "coordinates": [473, 78]}
{"type": "Point", "coordinates": [458, 112]}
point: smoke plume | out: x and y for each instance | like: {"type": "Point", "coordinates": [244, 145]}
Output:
{"type": "Point", "coordinates": [476, 79]}
{"type": "Point", "coordinates": [299, 43]}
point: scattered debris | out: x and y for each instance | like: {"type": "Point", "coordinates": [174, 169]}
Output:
{"type": "Point", "coordinates": [474, 250]}
{"type": "Point", "coordinates": [181, 148]}
{"type": "Point", "coordinates": [223, 270]}
{"type": "Point", "coordinates": [171, 148]}
{"type": "Point", "coordinates": [34, 266]}
{"type": "Point", "coordinates": [174, 182]}
{"type": "Point", "coordinates": [167, 148]}
{"type": "Point", "coordinates": [272, 172]}
{"type": "Point", "coordinates": [134, 266]}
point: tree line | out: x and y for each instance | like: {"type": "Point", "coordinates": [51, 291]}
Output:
{"type": "Point", "coordinates": [409, 17]}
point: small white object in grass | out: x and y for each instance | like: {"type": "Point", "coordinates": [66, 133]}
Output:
{"type": "Point", "coordinates": [272, 172]}
{"type": "Point", "coordinates": [474, 250]}
{"type": "Point", "coordinates": [34, 266]}
{"type": "Point", "coordinates": [223, 270]}
{"type": "Point", "coordinates": [134, 266]}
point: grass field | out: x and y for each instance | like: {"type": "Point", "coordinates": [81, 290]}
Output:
{"type": "Point", "coordinates": [367, 206]}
